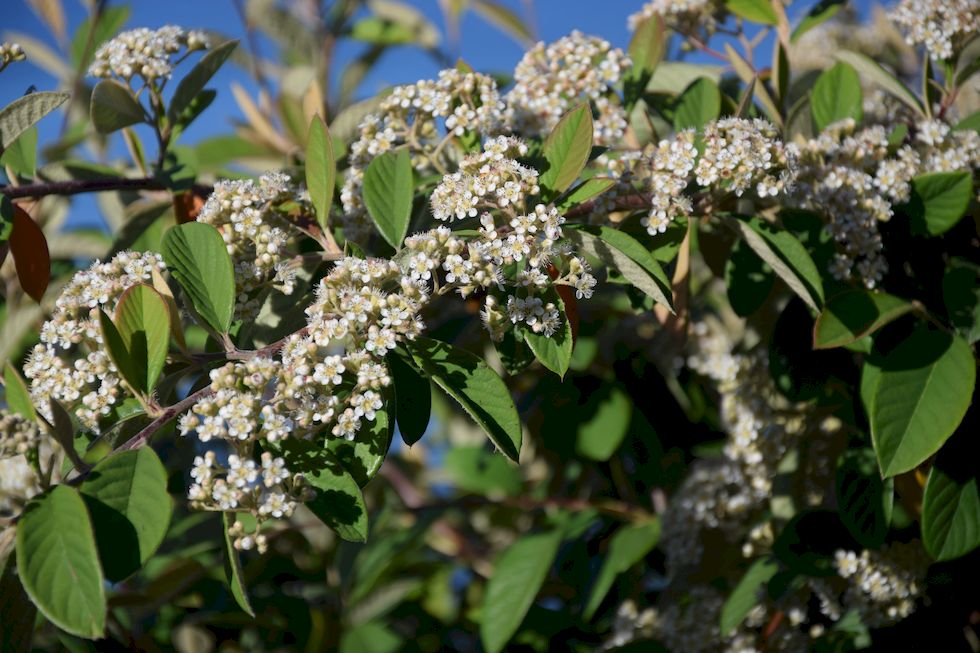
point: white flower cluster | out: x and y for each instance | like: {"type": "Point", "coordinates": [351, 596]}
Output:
{"type": "Point", "coordinates": [882, 586]}
{"type": "Point", "coordinates": [145, 53]}
{"type": "Point", "coordinates": [550, 80]}
{"type": "Point", "coordinates": [942, 26]}
{"type": "Point", "coordinates": [243, 211]}
{"type": "Point", "coordinates": [854, 177]}
{"type": "Point", "coordinates": [489, 179]}
{"type": "Point", "coordinates": [90, 384]}
{"type": "Point", "coordinates": [18, 483]}
{"type": "Point", "coordinates": [266, 489]}
{"type": "Point", "coordinates": [742, 155]}
{"type": "Point", "coordinates": [464, 102]}
{"type": "Point", "coordinates": [671, 164]}
{"type": "Point", "coordinates": [685, 16]}
{"type": "Point", "coordinates": [18, 435]}
{"type": "Point", "coordinates": [10, 52]}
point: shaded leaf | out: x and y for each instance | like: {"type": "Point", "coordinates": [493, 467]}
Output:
{"type": "Point", "coordinates": [29, 248]}
{"type": "Point", "coordinates": [388, 189]}
{"type": "Point", "coordinates": [143, 320]}
{"type": "Point", "coordinates": [413, 396]}
{"type": "Point", "coordinates": [58, 562]}
{"type": "Point", "coordinates": [746, 594]}
{"type": "Point", "coordinates": [196, 255]}
{"type": "Point", "coordinates": [477, 388]}
{"type": "Point", "coordinates": [114, 107]}
{"type": "Point", "coordinates": [921, 395]}
{"type": "Point", "coordinates": [864, 500]}
{"type": "Point", "coordinates": [939, 200]}
{"type": "Point", "coordinates": [855, 314]}
{"type": "Point", "coordinates": [874, 73]}
{"type": "Point", "coordinates": [21, 114]}
{"type": "Point", "coordinates": [338, 502]}
{"type": "Point", "coordinates": [627, 547]}
{"type": "Point", "coordinates": [787, 257]}
{"type": "Point", "coordinates": [567, 149]}
{"type": "Point", "coordinates": [233, 567]}
{"type": "Point", "coordinates": [951, 500]}
{"type": "Point", "coordinates": [516, 580]}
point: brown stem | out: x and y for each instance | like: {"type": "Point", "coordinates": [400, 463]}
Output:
{"type": "Point", "coordinates": [629, 202]}
{"type": "Point", "coordinates": [78, 186]}
{"type": "Point", "coordinates": [168, 414]}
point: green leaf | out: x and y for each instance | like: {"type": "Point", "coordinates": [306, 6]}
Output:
{"type": "Point", "coordinates": [338, 502]}
{"type": "Point", "coordinates": [874, 73]}
{"type": "Point", "coordinates": [745, 596]}
{"type": "Point", "coordinates": [587, 190]}
{"type": "Point", "coordinates": [606, 422]}
{"type": "Point", "coordinates": [748, 280]}
{"type": "Point", "coordinates": [17, 613]}
{"type": "Point", "coordinates": [864, 500]}
{"type": "Point", "coordinates": [388, 194]}
{"type": "Point", "coordinates": [554, 351]}
{"type": "Point", "coordinates": [6, 218]}
{"type": "Point", "coordinates": [16, 394]}
{"type": "Point", "coordinates": [504, 18]}
{"type": "Point", "coordinates": [921, 395]}
{"type": "Point", "coordinates": [321, 170]}
{"type": "Point", "coordinates": [114, 107]}
{"type": "Point", "coordinates": [939, 200]}
{"type": "Point", "coordinates": [758, 11]}
{"type": "Point", "coordinates": [855, 314]}
{"type": "Point", "coordinates": [821, 12]}
{"type": "Point", "coordinates": [59, 564]}
{"type": "Point", "coordinates": [126, 495]}
{"type": "Point", "coordinates": [961, 294]}
{"type": "Point", "coordinates": [746, 72]}
{"type": "Point", "coordinates": [566, 149]}
{"type": "Point", "coordinates": [972, 121]}
{"type": "Point", "coordinates": [143, 320]}
{"type": "Point", "coordinates": [87, 38]}
{"type": "Point", "coordinates": [477, 388]}
{"type": "Point", "coordinates": [21, 114]}
{"type": "Point", "coordinates": [516, 580]}
{"type": "Point", "coordinates": [194, 81]}
{"type": "Point", "coordinates": [624, 253]}
{"type": "Point", "coordinates": [363, 456]}
{"type": "Point", "coordinates": [630, 544]}
{"type": "Point", "coordinates": [951, 500]}
{"type": "Point", "coordinates": [21, 156]}
{"type": "Point", "coordinates": [234, 574]}
{"type": "Point", "coordinates": [476, 470]}
{"type": "Point", "coordinates": [413, 397]}
{"type": "Point", "coordinates": [119, 352]}
{"type": "Point", "coordinates": [787, 257]}
{"type": "Point", "coordinates": [836, 96]}
{"type": "Point", "coordinates": [377, 31]}
{"type": "Point", "coordinates": [699, 104]}
{"type": "Point", "coordinates": [646, 49]}
{"type": "Point", "coordinates": [196, 255]}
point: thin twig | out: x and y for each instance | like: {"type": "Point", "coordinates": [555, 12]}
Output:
{"type": "Point", "coordinates": [168, 414]}
{"type": "Point", "coordinates": [78, 186]}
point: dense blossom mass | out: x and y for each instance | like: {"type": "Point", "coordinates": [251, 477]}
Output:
{"type": "Point", "coordinates": [145, 53]}
{"type": "Point", "coordinates": [942, 26]}
{"type": "Point", "coordinates": [551, 79]}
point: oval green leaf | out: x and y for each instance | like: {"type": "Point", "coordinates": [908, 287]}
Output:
{"type": "Point", "coordinates": [628, 546]}
{"type": "Point", "coordinates": [745, 596]}
{"type": "Point", "coordinates": [58, 562]}
{"type": "Point", "coordinates": [836, 96]}
{"type": "Point", "coordinates": [787, 257]}
{"type": "Point", "coordinates": [196, 255]}
{"type": "Point", "coordinates": [567, 149]}
{"type": "Point", "coordinates": [516, 580]}
{"type": "Point", "coordinates": [143, 321]}
{"type": "Point", "coordinates": [16, 394]}
{"type": "Point", "coordinates": [194, 81]}
{"type": "Point", "coordinates": [554, 351]}
{"type": "Point", "coordinates": [622, 252]}
{"type": "Point", "coordinates": [413, 398]}
{"type": "Point", "coordinates": [864, 500]}
{"type": "Point", "coordinates": [477, 388]}
{"type": "Point", "coordinates": [855, 314]}
{"type": "Point", "coordinates": [321, 169]}
{"type": "Point", "coordinates": [234, 574]}
{"type": "Point", "coordinates": [388, 189]}
{"type": "Point", "coordinates": [951, 500]}
{"type": "Point", "coordinates": [699, 104]}
{"type": "Point", "coordinates": [339, 503]}
{"type": "Point", "coordinates": [127, 497]}
{"type": "Point", "coordinates": [922, 393]}
{"type": "Point", "coordinates": [939, 200]}
{"type": "Point", "coordinates": [114, 107]}
{"type": "Point", "coordinates": [362, 457]}
{"type": "Point", "coordinates": [21, 114]}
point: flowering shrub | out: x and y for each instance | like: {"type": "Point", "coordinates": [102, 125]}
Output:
{"type": "Point", "coordinates": [622, 352]}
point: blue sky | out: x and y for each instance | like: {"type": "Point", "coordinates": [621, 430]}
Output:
{"type": "Point", "coordinates": [482, 45]}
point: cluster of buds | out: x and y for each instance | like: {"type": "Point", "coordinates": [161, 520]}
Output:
{"type": "Point", "coordinates": [255, 235]}
{"type": "Point", "coordinates": [9, 53]}
{"type": "Point", "coordinates": [19, 436]}
{"type": "Point", "coordinates": [145, 53]}
{"type": "Point", "coordinates": [466, 103]}
{"type": "Point", "coordinates": [70, 364]}
{"type": "Point", "coordinates": [854, 177]}
{"type": "Point", "coordinates": [742, 155]}
{"type": "Point", "coordinates": [550, 80]}
{"type": "Point", "coordinates": [941, 26]}
{"type": "Point", "coordinates": [691, 17]}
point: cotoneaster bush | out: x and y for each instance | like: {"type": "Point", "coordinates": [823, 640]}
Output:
{"type": "Point", "coordinates": [623, 351]}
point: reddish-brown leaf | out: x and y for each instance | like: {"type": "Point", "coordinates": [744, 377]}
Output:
{"type": "Point", "coordinates": [29, 248]}
{"type": "Point", "coordinates": [187, 205]}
